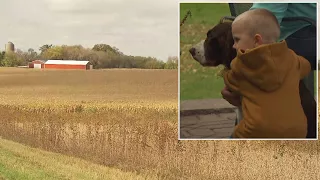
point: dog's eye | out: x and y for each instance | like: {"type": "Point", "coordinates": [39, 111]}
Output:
{"type": "Point", "coordinates": [208, 33]}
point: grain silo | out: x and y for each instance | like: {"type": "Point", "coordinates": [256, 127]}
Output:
{"type": "Point", "coordinates": [9, 47]}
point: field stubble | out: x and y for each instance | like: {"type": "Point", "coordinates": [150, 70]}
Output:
{"type": "Point", "coordinates": [112, 117]}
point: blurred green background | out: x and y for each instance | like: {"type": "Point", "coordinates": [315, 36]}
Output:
{"type": "Point", "coordinates": [197, 82]}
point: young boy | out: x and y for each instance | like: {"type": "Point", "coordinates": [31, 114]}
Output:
{"type": "Point", "coordinates": [266, 73]}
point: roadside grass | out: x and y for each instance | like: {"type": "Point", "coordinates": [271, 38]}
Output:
{"type": "Point", "coordinates": [21, 162]}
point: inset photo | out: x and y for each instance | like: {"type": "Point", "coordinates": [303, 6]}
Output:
{"type": "Point", "coordinates": [248, 71]}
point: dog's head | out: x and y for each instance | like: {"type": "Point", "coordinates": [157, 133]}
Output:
{"type": "Point", "coordinates": [217, 48]}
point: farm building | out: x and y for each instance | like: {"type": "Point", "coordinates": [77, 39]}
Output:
{"type": "Point", "coordinates": [67, 64]}
{"type": "Point", "coordinates": [36, 64]}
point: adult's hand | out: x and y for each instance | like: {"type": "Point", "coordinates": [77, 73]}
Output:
{"type": "Point", "coordinates": [232, 98]}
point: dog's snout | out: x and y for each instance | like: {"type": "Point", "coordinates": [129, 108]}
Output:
{"type": "Point", "coordinates": [192, 51]}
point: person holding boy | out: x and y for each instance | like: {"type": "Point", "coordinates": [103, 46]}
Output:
{"type": "Point", "coordinates": [266, 73]}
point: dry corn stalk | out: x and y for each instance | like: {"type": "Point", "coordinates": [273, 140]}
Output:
{"type": "Point", "coordinates": [185, 18]}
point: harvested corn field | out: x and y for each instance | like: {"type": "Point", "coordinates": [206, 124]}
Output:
{"type": "Point", "coordinates": [117, 117]}
{"type": "Point", "coordinates": [127, 120]}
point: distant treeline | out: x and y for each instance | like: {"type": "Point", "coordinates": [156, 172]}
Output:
{"type": "Point", "coordinates": [100, 56]}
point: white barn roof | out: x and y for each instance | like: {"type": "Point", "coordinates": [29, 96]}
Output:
{"type": "Point", "coordinates": [68, 62]}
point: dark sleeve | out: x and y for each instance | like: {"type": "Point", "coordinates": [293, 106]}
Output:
{"type": "Point", "coordinates": [303, 66]}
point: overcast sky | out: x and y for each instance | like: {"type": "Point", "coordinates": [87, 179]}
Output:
{"type": "Point", "coordinates": [136, 27]}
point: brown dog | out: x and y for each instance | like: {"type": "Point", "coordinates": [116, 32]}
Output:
{"type": "Point", "coordinates": [217, 49]}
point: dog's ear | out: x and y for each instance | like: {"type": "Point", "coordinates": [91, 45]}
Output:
{"type": "Point", "coordinates": [225, 40]}
{"type": "Point", "coordinates": [218, 45]}
{"type": "Point", "coordinates": [215, 44]}
{"type": "Point", "coordinates": [212, 49]}
{"type": "Point", "coordinates": [230, 51]}
{"type": "Point", "coordinates": [222, 40]}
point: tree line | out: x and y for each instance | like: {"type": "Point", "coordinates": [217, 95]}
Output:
{"type": "Point", "coordinates": [100, 56]}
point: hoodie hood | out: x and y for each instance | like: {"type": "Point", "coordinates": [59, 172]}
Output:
{"type": "Point", "coordinates": [265, 66]}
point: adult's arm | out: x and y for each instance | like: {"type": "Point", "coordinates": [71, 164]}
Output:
{"type": "Point", "coordinates": [278, 9]}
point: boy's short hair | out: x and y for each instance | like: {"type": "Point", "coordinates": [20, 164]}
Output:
{"type": "Point", "coordinates": [261, 21]}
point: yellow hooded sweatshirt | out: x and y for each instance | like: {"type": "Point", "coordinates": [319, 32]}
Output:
{"type": "Point", "coordinates": [267, 78]}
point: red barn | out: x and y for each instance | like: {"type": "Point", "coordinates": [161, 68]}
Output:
{"type": "Point", "coordinates": [67, 64]}
{"type": "Point", "coordinates": [36, 64]}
